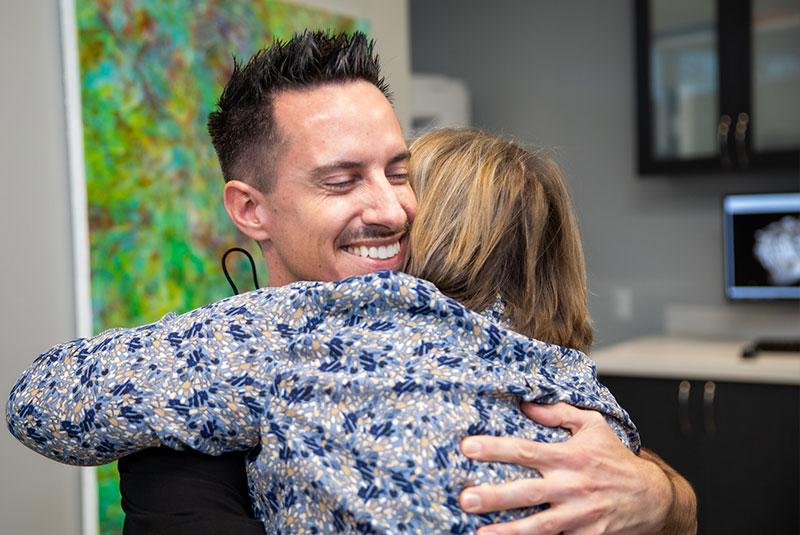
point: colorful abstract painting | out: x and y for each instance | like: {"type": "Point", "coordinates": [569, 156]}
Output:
{"type": "Point", "coordinates": [151, 71]}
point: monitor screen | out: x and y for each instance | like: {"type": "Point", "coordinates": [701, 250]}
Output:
{"type": "Point", "coordinates": [762, 246]}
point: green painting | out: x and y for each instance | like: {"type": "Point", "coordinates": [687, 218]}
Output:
{"type": "Point", "coordinates": [151, 71]}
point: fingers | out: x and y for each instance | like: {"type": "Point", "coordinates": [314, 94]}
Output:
{"type": "Point", "coordinates": [561, 415]}
{"type": "Point", "coordinates": [588, 480]}
{"type": "Point", "coordinates": [502, 449]}
{"type": "Point", "coordinates": [547, 522]}
{"type": "Point", "coordinates": [525, 452]}
{"type": "Point", "coordinates": [571, 509]}
{"type": "Point", "coordinates": [573, 517]}
{"type": "Point", "coordinates": [488, 498]}
{"type": "Point", "coordinates": [544, 523]}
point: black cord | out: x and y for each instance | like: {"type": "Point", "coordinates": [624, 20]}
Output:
{"type": "Point", "coordinates": [225, 267]}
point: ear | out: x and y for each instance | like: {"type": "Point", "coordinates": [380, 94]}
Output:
{"type": "Point", "coordinates": [247, 208]}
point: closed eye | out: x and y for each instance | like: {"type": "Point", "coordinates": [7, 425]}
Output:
{"type": "Point", "coordinates": [341, 184]}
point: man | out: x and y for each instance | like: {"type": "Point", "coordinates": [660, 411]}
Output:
{"type": "Point", "coordinates": [316, 170]}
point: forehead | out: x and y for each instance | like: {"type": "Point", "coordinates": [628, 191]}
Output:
{"type": "Point", "coordinates": [350, 121]}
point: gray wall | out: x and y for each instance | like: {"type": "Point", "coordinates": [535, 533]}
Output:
{"type": "Point", "coordinates": [561, 74]}
{"type": "Point", "coordinates": [37, 496]}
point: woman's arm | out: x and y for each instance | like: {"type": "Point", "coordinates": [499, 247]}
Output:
{"type": "Point", "coordinates": [184, 380]}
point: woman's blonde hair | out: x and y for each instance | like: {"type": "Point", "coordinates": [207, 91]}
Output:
{"type": "Point", "coordinates": [497, 219]}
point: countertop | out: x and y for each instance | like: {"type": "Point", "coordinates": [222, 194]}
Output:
{"type": "Point", "coordinates": [696, 358]}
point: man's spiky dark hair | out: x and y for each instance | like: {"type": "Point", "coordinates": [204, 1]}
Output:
{"type": "Point", "coordinates": [243, 128]}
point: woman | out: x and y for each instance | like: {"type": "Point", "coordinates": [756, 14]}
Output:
{"type": "Point", "coordinates": [356, 393]}
{"type": "Point", "coordinates": [496, 220]}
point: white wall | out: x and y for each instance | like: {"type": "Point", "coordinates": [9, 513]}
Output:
{"type": "Point", "coordinates": [37, 496]}
{"type": "Point", "coordinates": [561, 75]}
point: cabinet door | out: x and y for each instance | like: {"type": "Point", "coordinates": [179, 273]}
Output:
{"type": "Point", "coordinates": [752, 457]}
{"type": "Point", "coordinates": [669, 419]}
{"type": "Point", "coordinates": [718, 85]}
{"type": "Point", "coordinates": [738, 444]}
{"type": "Point", "coordinates": [678, 85]}
{"type": "Point", "coordinates": [775, 78]}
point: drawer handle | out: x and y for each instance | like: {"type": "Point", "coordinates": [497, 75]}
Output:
{"type": "Point", "coordinates": [740, 134]}
{"type": "Point", "coordinates": [723, 129]}
{"type": "Point", "coordinates": [684, 389]}
{"type": "Point", "coordinates": [709, 391]}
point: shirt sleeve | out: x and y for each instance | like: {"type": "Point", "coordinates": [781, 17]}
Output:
{"type": "Point", "coordinates": [192, 380]}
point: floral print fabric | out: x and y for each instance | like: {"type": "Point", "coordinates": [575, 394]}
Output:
{"type": "Point", "coordinates": [351, 396]}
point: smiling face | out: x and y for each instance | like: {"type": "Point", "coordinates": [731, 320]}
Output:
{"type": "Point", "coordinates": [341, 203]}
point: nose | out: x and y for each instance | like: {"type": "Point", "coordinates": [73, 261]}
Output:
{"type": "Point", "coordinates": [388, 204]}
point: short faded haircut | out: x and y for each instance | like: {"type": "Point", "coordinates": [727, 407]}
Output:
{"type": "Point", "coordinates": [243, 128]}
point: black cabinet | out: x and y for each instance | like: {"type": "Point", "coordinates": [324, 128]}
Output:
{"type": "Point", "coordinates": [737, 443]}
{"type": "Point", "coordinates": [718, 85]}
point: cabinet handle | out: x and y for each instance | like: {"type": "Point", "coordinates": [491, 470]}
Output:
{"type": "Point", "coordinates": [740, 133]}
{"type": "Point", "coordinates": [684, 389]}
{"type": "Point", "coordinates": [723, 128]}
{"type": "Point", "coordinates": [709, 391]}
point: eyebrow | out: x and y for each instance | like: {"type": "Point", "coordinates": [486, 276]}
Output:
{"type": "Point", "coordinates": [405, 155]}
{"type": "Point", "coordinates": [321, 171]}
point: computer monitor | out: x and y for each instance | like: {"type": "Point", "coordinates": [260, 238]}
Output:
{"type": "Point", "coordinates": [762, 246]}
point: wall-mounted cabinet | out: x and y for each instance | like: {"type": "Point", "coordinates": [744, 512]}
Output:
{"type": "Point", "coordinates": [718, 85]}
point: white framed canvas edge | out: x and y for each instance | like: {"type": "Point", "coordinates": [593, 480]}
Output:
{"type": "Point", "coordinates": [80, 223]}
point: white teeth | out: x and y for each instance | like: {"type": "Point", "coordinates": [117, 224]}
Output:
{"type": "Point", "coordinates": [381, 253]}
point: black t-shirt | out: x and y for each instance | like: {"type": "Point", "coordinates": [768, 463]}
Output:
{"type": "Point", "coordinates": [168, 492]}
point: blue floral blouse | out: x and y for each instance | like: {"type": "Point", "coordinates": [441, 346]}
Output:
{"type": "Point", "coordinates": [352, 396]}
